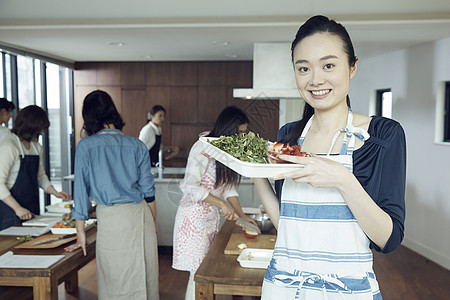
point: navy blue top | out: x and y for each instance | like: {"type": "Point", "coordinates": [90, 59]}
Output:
{"type": "Point", "coordinates": [111, 168]}
{"type": "Point", "coordinates": [380, 167]}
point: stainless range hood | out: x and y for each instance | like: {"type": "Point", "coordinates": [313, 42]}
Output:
{"type": "Point", "coordinates": [273, 74]}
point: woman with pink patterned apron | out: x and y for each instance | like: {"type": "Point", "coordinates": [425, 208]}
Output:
{"type": "Point", "coordinates": [204, 183]}
{"type": "Point", "coordinates": [349, 195]}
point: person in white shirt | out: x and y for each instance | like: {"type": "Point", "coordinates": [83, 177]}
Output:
{"type": "Point", "coordinates": [151, 135]}
{"type": "Point", "coordinates": [21, 169]}
{"type": "Point", "coordinates": [6, 108]}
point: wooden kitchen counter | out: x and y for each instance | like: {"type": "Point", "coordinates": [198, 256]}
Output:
{"type": "Point", "coordinates": [221, 273]}
{"type": "Point", "coordinates": [45, 281]}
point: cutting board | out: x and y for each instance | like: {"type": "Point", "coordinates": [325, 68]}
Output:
{"type": "Point", "coordinates": [43, 238]}
{"type": "Point", "coordinates": [262, 241]}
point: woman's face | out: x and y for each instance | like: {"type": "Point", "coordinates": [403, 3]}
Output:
{"type": "Point", "coordinates": [242, 129]}
{"type": "Point", "coordinates": [322, 71]}
{"type": "Point", "coordinates": [158, 118]}
{"type": "Point", "coordinates": [5, 115]}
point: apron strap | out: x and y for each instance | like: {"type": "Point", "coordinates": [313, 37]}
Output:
{"type": "Point", "coordinates": [20, 147]}
{"type": "Point", "coordinates": [348, 142]}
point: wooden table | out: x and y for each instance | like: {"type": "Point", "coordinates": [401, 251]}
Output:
{"type": "Point", "coordinates": [221, 273]}
{"type": "Point", "coordinates": [45, 281]}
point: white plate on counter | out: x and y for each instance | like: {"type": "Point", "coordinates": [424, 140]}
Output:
{"type": "Point", "coordinates": [255, 258]}
{"type": "Point", "coordinates": [61, 207]}
{"type": "Point", "coordinates": [88, 224]}
{"type": "Point", "coordinates": [42, 220]}
{"type": "Point", "coordinates": [247, 169]}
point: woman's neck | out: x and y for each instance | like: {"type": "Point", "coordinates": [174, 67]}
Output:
{"type": "Point", "coordinates": [330, 120]}
{"type": "Point", "coordinates": [109, 126]}
{"type": "Point", "coordinates": [26, 144]}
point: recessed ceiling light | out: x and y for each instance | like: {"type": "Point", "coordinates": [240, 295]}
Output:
{"type": "Point", "coordinates": [146, 56]}
{"type": "Point", "coordinates": [119, 44]}
{"type": "Point", "coordinates": [231, 55]}
{"type": "Point", "coordinates": [221, 43]}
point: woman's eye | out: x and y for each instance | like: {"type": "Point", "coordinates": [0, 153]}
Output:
{"type": "Point", "coordinates": [303, 69]}
{"type": "Point", "coordinates": [328, 66]}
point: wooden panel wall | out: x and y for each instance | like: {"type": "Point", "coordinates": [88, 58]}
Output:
{"type": "Point", "coordinates": [193, 93]}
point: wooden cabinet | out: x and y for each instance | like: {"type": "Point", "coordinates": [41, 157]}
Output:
{"type": "Point", "coordinates": [108, 74]}
{"type": "Point", "coordinates": [211, 101]}
{"type": "Point", "coordinates": [183, 74]}
{"type": "Point", "coordinates": [132, 74]}
{"type": "Point", "coordinates": [133, 111]}
{"type": "Point", "coordinates": [240, 74]}
{"type": "Point", "coordinates": [212, 73]}
{"type": "Point", "coordinates": [193, 94]}
{"type": "Point", "coordinates": [184, 105]}
{"type": "Point", "coordinates": [157, 74]}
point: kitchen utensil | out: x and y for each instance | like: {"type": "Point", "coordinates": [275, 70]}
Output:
{"type": "Point", "coordinates": [262, 241]}
{"type": "Point", "coordinates": [247, 225]}
{"type": "Point", "coordinates": [255, 258]}
{"type": "Point", "coordinates": [263, 221]}
{"type": "Point", "coordinates": [38, 243]}
{"type": "Point", "coordinates": [56, 239]}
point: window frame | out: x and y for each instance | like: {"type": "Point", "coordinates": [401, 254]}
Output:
{"type": "Point", "coordinates": [446, 129]}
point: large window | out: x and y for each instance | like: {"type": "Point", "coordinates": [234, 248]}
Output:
{"type": "Point", "coordinates": [384, 103]}
{"type": "Point", "coordinates": [30, 81]}
{"type": "Point", "coordinates": [447, 112]}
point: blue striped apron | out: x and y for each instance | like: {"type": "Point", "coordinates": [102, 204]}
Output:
{"type": "Point", "coordinates": [321, 252]}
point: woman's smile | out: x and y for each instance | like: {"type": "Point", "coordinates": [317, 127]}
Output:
{"type": "Point", "coordinates": [320, 93]}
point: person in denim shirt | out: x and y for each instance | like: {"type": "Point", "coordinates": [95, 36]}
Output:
{"type": "Point", "coordinates": [113, 170]}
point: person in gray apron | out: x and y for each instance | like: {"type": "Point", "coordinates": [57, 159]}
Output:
{"type": "Point", "coordinates": [349, 195]}
{"type": "Point", "coordinates": [114, 171]}
{"type": "Point", "coordinates": [24, 168]}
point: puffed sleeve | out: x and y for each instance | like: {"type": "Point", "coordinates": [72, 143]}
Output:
{"type": "Point", "coordinates": [391, 196]}
{"type": "Point", "coordinates": [81, 183]}
{"type": "Point", "coordinates": [230, 191]}
{"type": "Point", "coordinates": [195, 168]}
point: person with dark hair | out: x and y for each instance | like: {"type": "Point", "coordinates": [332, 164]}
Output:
{"type": "Point", "coordinates": [349, 195]}
{"type": "Point", "coordinates": [198, 214]}
{"type": "Point", "coordinates": [114, 171]}
{"type": "Point", "coordinates": [6, 108]}
{"type": "Point", "coordinates": [151, 135]}
{"type": "Point", "coordinates": [21, 169]}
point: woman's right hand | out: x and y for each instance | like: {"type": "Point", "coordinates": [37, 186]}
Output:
{"type": "Point", "coordinates": [23, 213]}
{"type": "Point", "coordinates": [228, 212]}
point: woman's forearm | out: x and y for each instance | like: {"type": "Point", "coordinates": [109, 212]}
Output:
{"type": "Point", "coordinates": [234, 202]}
{"type": "Point", "coordinates": [268, 199]}
{"type": "Point", "coordinates": [12, 203]}
{"type": "Point", "coordinates": [375, 222]}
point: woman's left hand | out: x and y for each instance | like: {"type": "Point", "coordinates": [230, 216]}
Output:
{"type": "Point", "coordinates": [317, 171]}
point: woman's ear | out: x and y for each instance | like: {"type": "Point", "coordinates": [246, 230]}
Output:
{"type": "Point", "coordinates": [353, 68]}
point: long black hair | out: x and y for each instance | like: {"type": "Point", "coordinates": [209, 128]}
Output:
{"type": "Point", "coordinates": [227, 124]}
{"type": "Point", "coordinates": [318, 24]}
{"type": "Point", "coordinates": [30, 122]}
{"type": "Point", "coordinates": [99, 110]}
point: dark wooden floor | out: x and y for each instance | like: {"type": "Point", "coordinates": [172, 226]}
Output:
{"type": "Point", "coordinates": [402, 275]}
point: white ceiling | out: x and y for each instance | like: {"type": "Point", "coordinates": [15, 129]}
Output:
{"type": "Point", "coordinates": [177, 30]}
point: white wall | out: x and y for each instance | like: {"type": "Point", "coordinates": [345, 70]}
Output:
{"type": "Point", "coordinates": [413, 75]}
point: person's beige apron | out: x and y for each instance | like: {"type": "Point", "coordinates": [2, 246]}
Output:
{"type": "Point", "coordinates": [127, 255]}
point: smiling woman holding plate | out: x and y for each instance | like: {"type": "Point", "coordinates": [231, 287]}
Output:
{"type": "Point", "coordinates": [349, 197]}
